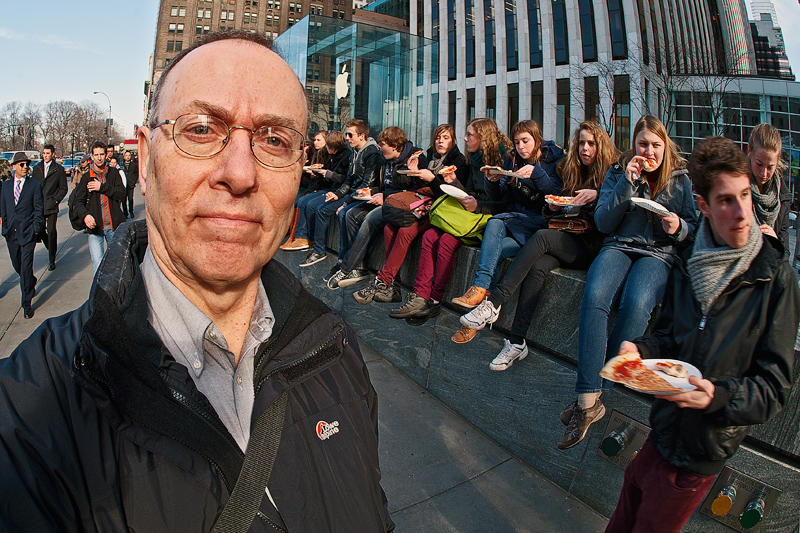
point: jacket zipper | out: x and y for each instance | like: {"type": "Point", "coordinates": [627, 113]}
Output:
{"type": "Point", "coordinates": [302, 359]}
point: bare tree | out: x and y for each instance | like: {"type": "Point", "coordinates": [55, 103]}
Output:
{"type": "Point", "coordinates": [58, 124]}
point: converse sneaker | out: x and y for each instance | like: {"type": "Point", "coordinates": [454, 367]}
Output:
{"type": "Point", "coordinates": [509, 354]}
{"type": "Point", "coordinates": [313, 258]}
{"type": "Point", "coordinates": [353, 277]}
{"type": "Point", "coordinates": [484, 314]}
{"type": "Point", "coordinates": [366, 295]}
{"type": "Point", "coordinates": [579, 424]}
{"type": "Point", "coordinates": [334, 269]}
{"type": "Point", "coordinates": [388, 293]}
{"type": "Point", "coordinates": [333, 280]}
{"type": "Point", "coordinates": [414, 306]}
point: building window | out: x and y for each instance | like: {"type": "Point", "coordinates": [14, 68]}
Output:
{"type": "Point", "coordinates": [246, 17]}
{"type": "Point", "coordinates": [643, 30]}
{"type": "Point", "coordinates": [198, 30]}
{"type": "Point", "coordinates": [182, 11]}
{"type": "Point", "coordinates": [512, 58]}
{"type": "Point", "coordinates": [291, 21]}
{"type": "Point", "coordinates": [316, 72]}
{"type": "Point", "coordinates": [491, 56]}
{"type": "Point", "coordinates": [223, 15]}
{"type": "Point", "coordinates": [171, 28]}
{"type": "Point", "coordinates": [206, 29]}
{"type": "Point", "coordinates": [199, 13]}
{"type": "Point", "coordinates": [469, 53]}
{"type": "Point", "coordinates": [299, 8]}
{"type": "Point", "coordinates": [616, 20]}
{"type": "Point", "coordinates": [174, 11]}
{"type": "Point", "coordinates": [178, 46]}
{"type": "Point", "coordinates": [470, 105]}
{"type": "Point", "coordinates": [268, 20]}
{"type": "Point", "coordinates": [560, 32]}
{"type": "Point", "coordinates": [230, 15]}
{"type": "Point", "coordinates": [537, 101]}
{"type": "Point", "coordinates": [562, 111]}
{"type": "Point", "coordinates": [253, 17]}
{"type": "Point", "coordinates": [513, 104]}
{"type": "Point", "coordinates": [208, 13]}
{"type": "Point", "coordinates": [622, 112]}
{"type": "Point", "coordinates": [451, 107]}
{"type": "Point", "coordinates": [535, 33]}
{"type": "Point", "coordinates": [451, 39]}
{"type": "Point", "coordinates": [591, 92]}
{"type": "Point", "coordinates": [180, 28]}
{"type": "Point", "coordinates": [291, 6]}
{"type": "Point", "coordinates": [491, 102]}
{"type": "Point", "coordinates": [588, 37]}
{"type": "Point", "coordinates": [654, 22]}
{"type": "Point", "coordinates": [170, 46]}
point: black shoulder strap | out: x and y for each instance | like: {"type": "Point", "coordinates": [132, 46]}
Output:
{"type": "Point", "coordinates": [240, 509]}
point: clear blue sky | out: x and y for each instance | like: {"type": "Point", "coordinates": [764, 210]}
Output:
{"type": "Point", "coordinates": [71, 49]}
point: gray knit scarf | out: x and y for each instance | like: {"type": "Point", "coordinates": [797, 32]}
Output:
{"type": "Point", "coordinates": [711, 268]}
{"type": "Point", "coordinates": [766, 205]}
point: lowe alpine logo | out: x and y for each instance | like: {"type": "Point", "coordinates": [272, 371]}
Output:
{"type": "Point", "coordinates": [326, 430]}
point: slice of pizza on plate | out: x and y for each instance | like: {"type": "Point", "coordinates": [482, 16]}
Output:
{"type": "Point", "coordinates": [629, 370]}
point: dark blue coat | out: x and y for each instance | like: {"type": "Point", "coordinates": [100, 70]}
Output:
{"type": "Point", "coordinates": [26, 219]}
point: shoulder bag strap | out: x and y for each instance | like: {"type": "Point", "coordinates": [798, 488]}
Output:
{"type": "Point", "coordinates": [240, 509]}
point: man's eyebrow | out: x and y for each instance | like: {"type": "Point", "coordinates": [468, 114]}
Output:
{"type": "Point", "coordinates": [266, 119]}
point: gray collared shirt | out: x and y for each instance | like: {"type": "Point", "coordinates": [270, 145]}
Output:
{"type": "Point", "coordinates": [195, 342]}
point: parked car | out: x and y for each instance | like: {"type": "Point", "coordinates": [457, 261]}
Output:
{"type": "Point", "coordinates": [34, 156]}
{"type": "Point", "coordinates": [69, 163]}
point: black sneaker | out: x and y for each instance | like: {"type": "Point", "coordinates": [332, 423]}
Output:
{"type": "Point", "coordinates": [389, 293]}
{"type": "Point", "coordinates": [415, 306]}
{"type": "Point", "coordinates": [353, 277]}
{"type": "Point", "coordinates": [433, 311]}
{"type": "Point", "coordinates": [366, 295]}
{"type": "Point", "coordinates": [334, 269]}
{"type": "Point", "coordinates": [333, 279]}
{"type": "Point", "coordinates": [579, 424]}
{"type": "Point", "coordinates": [313, 258]}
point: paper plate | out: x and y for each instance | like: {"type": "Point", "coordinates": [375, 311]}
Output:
{"type": "Point", "coordinates": [453, 191]}
{"type": "Point", "coordinates": [650, 205]}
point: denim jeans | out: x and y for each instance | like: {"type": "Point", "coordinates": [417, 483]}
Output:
{"type": "Point", "coordinates": [307, 205]}
{"type": "Point", "coordinates": [495, 247]}
{"type": "Point", "coordinates": [97, 244]}
{"type": "Point", "coordinates": [325, 211]}
{"type": "Point", "coordinates": [350, 218]}
{"type": "Point", "coordinates": [640, 280]}
{"type": "Point", "coordinates": [367, 232]}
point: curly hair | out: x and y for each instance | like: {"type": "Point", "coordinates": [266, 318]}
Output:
{"type": "Point", "coordinates": [493, 141]}
{"type": "Point", "coordinates": [711, 156]}
{"type": "Point", "coordinates": [672, 158]}
{"type": "Point", "coordinates": [573, 173]}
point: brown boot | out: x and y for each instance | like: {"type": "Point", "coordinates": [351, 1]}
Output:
{"type": "Point", "coordinates": [293, 225]}
{"type": "Point", "coordinates": [472, 297]}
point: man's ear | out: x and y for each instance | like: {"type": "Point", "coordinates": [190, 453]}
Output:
{"type": "Point", "coordinates": [703, 205]}
{"type": "Point", "coordinates": [143, 137]}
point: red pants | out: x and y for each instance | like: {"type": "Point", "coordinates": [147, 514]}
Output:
{"type": "Point", "coordinates": [436, 261]}
{"type": "Point", "coordinates": [397, 242]}
{"type": "Point", "coordinates": [657, 496]}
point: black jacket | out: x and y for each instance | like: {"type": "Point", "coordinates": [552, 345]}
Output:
{"type": "Point", "coordinates": [744, 346]}
{"type": "Point", "coordinates": [364, 170]}
{"type": "Point", "coordinates": [102, 430]}
{"type": "Point", "coordinates": [391, 181]}
{"type": "Point", "coordinates": [335, 176]}
{"type": "Point", "coordinates": [89, 202]}
{"type": "Point", "coordinates": [131, 171]}
{"type": "Point", "coordinates": [54, 185]}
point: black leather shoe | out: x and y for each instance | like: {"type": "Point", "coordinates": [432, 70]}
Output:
{"type": "Point", "coordinates": [28, 313]}
{"type": "Point", "coordinates": [51, 267]}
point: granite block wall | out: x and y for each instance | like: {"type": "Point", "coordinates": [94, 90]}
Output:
{"type": "Point", "coordinates": [519, 408]}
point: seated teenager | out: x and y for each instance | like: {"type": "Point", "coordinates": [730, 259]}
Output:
{"type": "Point", "coordinates": [520, 203]}
{"type": "Point", "coordinates": [397, 240]}
{"type": "Point", "coordinates": [363, 172]}
{"type": "Point", "coordinates": [360, 221]}
{"type": "Point", "coordinates": [331, 176]}
{"type": "Point", "coordinates": [771, 196]}
{"type": "Point", "coordinates": [591, 154]}
{"type": "Point", "coordinates": [486, 145]}
{"type": "Point", "coordinates": [634, 262]}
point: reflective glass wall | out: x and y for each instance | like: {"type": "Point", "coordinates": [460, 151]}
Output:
{"type": "Point", "coordinates": [356, 70]}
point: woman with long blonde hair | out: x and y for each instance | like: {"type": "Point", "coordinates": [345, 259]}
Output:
{"type": "Point", "coordinates": [646, 207]}
{"type": "Point", "coordinates": [771, 196]}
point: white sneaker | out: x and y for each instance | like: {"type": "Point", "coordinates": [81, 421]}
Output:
{"type": "Point", "coordinates": [483, 314]}
{"type": "Point", "coordinates": [509, 354]}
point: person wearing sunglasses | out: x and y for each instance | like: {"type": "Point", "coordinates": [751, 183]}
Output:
{"type": "Point", "coordinates": [22, 212]}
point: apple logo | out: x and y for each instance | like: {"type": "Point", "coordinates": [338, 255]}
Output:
{"type": "Point", "coordinates": [343, 82]}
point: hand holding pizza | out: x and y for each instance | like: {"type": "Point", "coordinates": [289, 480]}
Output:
{"type": "Point", "coordinates": [699, 398]}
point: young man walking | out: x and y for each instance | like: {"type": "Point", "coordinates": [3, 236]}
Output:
{"type": "Point", "coordinates": [53, 179]}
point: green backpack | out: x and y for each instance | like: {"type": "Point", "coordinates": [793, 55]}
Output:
{"type": "Point", "coordinates": [449, 215]}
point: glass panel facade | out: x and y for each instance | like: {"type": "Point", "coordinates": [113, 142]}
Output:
{"type": "Point", "coordinates": [622, 112]}
{"type": "Point", "coordinates": [616, 21]}
{"type": "Point", "coordinates": [513, 105]}
{"type": "Point", "coordinates": [491, 102]}
{"type": "Point", "coordinates": [535, 32]}
{"type": "Point", "coordinates": [469, 12]}
{"type": "Point", "coordinates": [470, 105]}
{"type": "Point", "coordinates": [588, 31]}
{"type": "Point", "coordinates": [562, 111]}
{"type": "Point", "coordinates": [643, 32]}
{"type": "Point", "coordinates": [591, 90]}
{"type": "Point", "coordinates": [560, 32]}
{"type": "Point", "coordinates": [512, 57]}
{"type": "Point", "coordinates": [488, 25]}
{"type": "Point", "coordinates": [451, 40]}
{"type": "Point", "coordinates": [537, 101]}
{"type": "Point", "coordinates": [361, 71]}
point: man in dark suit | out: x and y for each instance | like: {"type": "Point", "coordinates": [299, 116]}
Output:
{"type": "Point", "coordinates": [22, 211]}
{"type": "Point", "coordinates": [53, 179]}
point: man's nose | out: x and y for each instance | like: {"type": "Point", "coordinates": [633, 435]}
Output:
{"type": "Point", "coordinates": [240, 168]}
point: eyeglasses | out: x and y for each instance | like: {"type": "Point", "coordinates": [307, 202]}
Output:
{"type": "Point", "coordinates": [204, 136]}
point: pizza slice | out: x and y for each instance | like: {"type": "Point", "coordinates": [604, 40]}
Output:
{"type": "Point", "coordinates": [671, 369]}
{"type": "Point", "coordinates": [489, 168]}
{"type": "Point", "coordinates": [360, 193]}
{"type": "Point", "coordinates": [416, 154]}
{"type": "Point", "coordinates": [649, 164]}
{"type": "Point", "coordinates": [559, 200]}
{"type": "Point", "coordinates": [448, 169]}
{"type": "Point", "coordinates": [316, 165]}
{"type": "Point", "coordinates": [629, 370]}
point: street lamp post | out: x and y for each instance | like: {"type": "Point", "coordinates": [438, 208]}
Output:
{"type": "Point", "coordinates": [108, 122]}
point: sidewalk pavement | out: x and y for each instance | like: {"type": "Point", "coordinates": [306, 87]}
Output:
{"type": "Point", "coordinates": [440, 474]}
